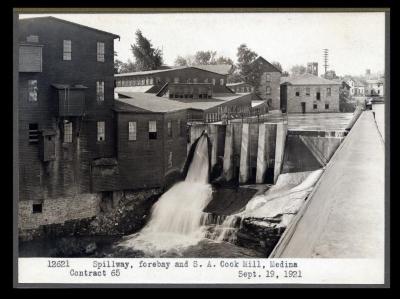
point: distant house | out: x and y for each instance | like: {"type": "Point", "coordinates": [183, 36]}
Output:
{"type": "Point", "coordinates": [240, 87]}
{"type": "Point", "coordinates": [269, 84]}
{"type": "Point", "coordinates": [357, 86]}
{"type": "Point", "coordinates": [308, 93]}
{"type": "Point", "coordinates": [375, 87]}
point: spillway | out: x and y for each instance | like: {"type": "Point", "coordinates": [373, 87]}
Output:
{"type": "Point", "coordinates": [177, 219]}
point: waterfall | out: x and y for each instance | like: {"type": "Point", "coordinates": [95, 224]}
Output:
{"type": "Point", "coordinates": [177, 219]}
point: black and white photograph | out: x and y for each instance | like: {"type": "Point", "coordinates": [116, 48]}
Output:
{"type": "Point", "coordinates": [151, 146]}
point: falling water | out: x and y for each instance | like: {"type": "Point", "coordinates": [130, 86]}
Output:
{"type": "Point", "coordinates": [177, 219]}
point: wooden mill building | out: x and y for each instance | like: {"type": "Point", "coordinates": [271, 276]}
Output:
{"type": "Point", "coordinates": [66, 122]}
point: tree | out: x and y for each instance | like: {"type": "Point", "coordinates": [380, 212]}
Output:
{"type": "Point", "coordinates": [245, 57]}
{"type": "Point", "coordinates": [224, 60]}
{"type": "Point", "coordinates": [146, 56]}
{"type": "Point", "coordinates": [205, 57]}
{"type": "Point", "coordinates": [123, 67]}
{"type": "Point", "coordinates": [298, 70]}
{"type": "Point", "coordinates": [180, 61]}
{"type": "Point", "coordinates": [277, 65]}
{"type": "Point", "coordinates": [285, 74]}
{"type": "Point", "coordinates": [127, 67]}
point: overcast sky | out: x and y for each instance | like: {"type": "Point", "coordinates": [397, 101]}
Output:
{"type": "Point", "coordinates": [356, 41]}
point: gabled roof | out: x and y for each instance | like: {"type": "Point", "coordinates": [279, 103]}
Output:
{"type": "Point", "coordinates": [70, 23]}
{"type": "Point", "coordinates": [308, 79]}
{"type": "Point", "coordinates": [223, 69]}
{"type": "Point", "coordinates": [267, 65]}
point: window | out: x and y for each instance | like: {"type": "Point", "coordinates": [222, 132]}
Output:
{"type": "Point", "coordinates": [176, 80]}
{"type": "Point", "coordinates": [221, 81]}
{"type": "Point", "coordinates": [67, 131]}
{"type": "Point", "coordinates": [307, 91]}
{"type": "Point", "coordinates": [326, 106]}
{"type": "Point", "coordinates": [37, 208]}
{"type": "Point", "coordinates": [32, 39]}
{"type": "Point", "coordinates": [169, 127]}
{"type": "Point", "coordinates": [32, 90]}
{"type": "Point", "coordinates": [152, 129]}
{"type": "Point", "coordinates": [328, 91]}
{"type": "Point", "coordinates": [132, 130]}
{"type": "Point", "coordinates": [268, 90]}
{"type": "Point", "coordinates": [33, 133]}
{"type": "Point", "coordinates": [268, 77]}
{"type": "Point", "coordinates": [100, 51]}
{"type": "Point", "coordinates": [318, 94]}
{"type": "Point", "coordinates": [101, 134]}
{"type": "Point", "coordinates": [67, 50]}
{"type": "Point", "coordinates": [100, 91]}
{"type": "Point", "coordinates": [315, 106]}
{"type": "Point", "coordinates": [213, 81]}
{"type": "Point", "coordinates": [297, 92]}
{"type": "Point", "coordinates": [181, 126]}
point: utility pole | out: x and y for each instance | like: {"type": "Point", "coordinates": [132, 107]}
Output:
{"type": "Point", "coordinates": [325, 55]}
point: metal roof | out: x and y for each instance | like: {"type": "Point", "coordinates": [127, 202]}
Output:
{"type": "Point", "coordinates": [308, 79]}
{"type": "Point", "coordinates": [153, 103]}
{"type": "Point", "coordinates": [147, 102]}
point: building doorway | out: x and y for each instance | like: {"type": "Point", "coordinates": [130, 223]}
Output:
{"type": "Point", "coordinates": [303, 107]}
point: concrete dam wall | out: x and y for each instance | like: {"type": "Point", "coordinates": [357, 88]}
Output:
{"type": "Point", "coordinates": [249, 153]}
{"type": "Point", "coordinates": [246, 153]}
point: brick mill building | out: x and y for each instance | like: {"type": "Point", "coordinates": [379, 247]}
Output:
{"type": "Point", "coordinates": [267, 86]}
{"type": "Point", "coordinates": [308, 94]}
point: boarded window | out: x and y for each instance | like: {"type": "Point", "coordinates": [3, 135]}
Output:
{"type": "Point", "coordinates": [194, 80]}
{"type": "Point", "coordinates": [152, 129]}
{"type": "Point", "coordinates": [213, 81]}
{"type": "Point", "coordinates": [33, 133]}
{"type": "Point", "coordinates": [37, 208]}
{"type": "Point", "coordinates": [68, 132]}
{"type": "Point", "coordinates": [268, 77]}
{"type": "Point", "coordinates": [268, 90]}
{"type": "Point", "coordinates": [100, 91]}
{"type": "Point", "coordinates": [132, 130]}
{"type": "Point", "coordinates": [101, 131]}
{"type": "Point", "coordinates": [308, 91]}
{"type": "Point", "coordinates": [221, 81]}
{"type": "Point", "coordinates": [100, 51]}
{"type": "Point", "coordinates": [206, 80]}
{"type": "Point", "coordinates": [176, 80]}
{"type": "Point", "coordinates": [328, 91]}
{"type": "Point", "coordinates": [67, 50]}
{"type": "Point", "coordinates": [32, 90]}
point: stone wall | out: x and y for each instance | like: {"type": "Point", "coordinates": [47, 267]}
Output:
{"type": "Point", "coordinates": [106, 214]}
{"type": "Point", "coordinates": [274, 84]}
{"type": "Point", "coordinates": [294, 102]}
{"type": "Point", "coordinates": [58, 210]}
